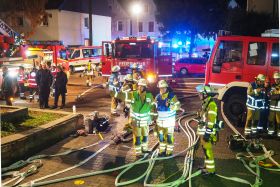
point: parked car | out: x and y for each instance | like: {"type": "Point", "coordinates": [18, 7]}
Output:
{"type": "Point", "coordinates": [185, 66]}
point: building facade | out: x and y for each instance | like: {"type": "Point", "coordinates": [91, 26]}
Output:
{"type": "Point", "coordinates": [67, 22]}
{"type": "Point", "coordinates": [126, 23]}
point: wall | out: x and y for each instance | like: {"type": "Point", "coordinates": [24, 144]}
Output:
{"type": "Point", "coordinates": [72, 30]}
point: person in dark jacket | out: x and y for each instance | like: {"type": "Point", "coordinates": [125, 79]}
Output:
{"type": "Point", "coordinates": [44, 80]}
{"type": "Point", "coordinates": [7, 87]}
{"type": "Point", "coordinates": [60, 87]}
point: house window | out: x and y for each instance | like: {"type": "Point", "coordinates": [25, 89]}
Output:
{"type": "Point", "coordinates": [120, 26]}
{"type": "Point", "coordinates": [140, 26]}
{"type": "Point", "coordinates": [151, 26]}
{"type": "Point", "coordinates": [45, 21]}
{"type": "Point", "coordinates": [86, 22]}
{"type": "Point", "coordinates": [146, 8]}
{"type": "Point", "coordinates": [20, 21]}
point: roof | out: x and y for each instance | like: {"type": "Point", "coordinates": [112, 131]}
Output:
{"type": "Point", "coordinates": [99, 7]}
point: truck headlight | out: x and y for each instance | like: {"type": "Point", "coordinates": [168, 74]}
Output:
{"type": "Point", "coordinates": [151, 78]}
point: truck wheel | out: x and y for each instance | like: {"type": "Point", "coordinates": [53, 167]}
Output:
{"type": "Point", "coordinates": [183, 71]}
{"type": "Point", "coordinates": [235, 109]}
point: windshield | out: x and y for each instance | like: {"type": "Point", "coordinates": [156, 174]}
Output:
{"type": "Point", "coordinates": [133, 50]}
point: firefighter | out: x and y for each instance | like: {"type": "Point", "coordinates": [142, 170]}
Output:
{"type": "Point", "coordinates": [44, 80]}
{"type": "Point", "coordinates": [207, 129]}
{"type": "Point", "coordinates": [7, 87]}
{"type": "Point", "coordinates": [135, 72]}
{"type": "Point", "coordinates": [274, 114]}
{"type": "Point", "coordinates": [114, 86]}
{"type": "Point", "coordinates": [141, 105]}
{"type": "Point", "coordinates": [167, 104]}
{"type": "Point", "coordinates": [255, 103]}
{"type": "Point", "coordinates": [89, 73]}
{"type": "Point", "coordinates": [21, 81]}
{"type": "Point", "coordinates": [60, 87]}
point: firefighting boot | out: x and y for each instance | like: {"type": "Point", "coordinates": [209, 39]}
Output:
{"type": "Point", "coordinates": [144, 144]}
{"type": "Point", "coordinates": [170, 146]}
{"type": "Point", "coordinates": [271, 128]}
{"type": "Point", "coordinates": [87, 82]}
{"type": "Point", "coordinates": [138, 147]}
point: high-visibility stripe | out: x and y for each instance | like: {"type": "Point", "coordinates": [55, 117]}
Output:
{"type": "Point", "coordinates": [210, 166]}
{"type": "Point", "coordinates": [255, 91]}
{"type": "Point", "coordinates": [212, 112]}
{"type": "Point", "coordinates": [259, 127]}
{"type": "Point", "coordinates": [209, 161]}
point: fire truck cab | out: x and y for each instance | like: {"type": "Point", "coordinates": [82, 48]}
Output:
{"type": "Point", "coordinates": [234, 64]}
{"type": "Point", "coordinates": [155, 61]}
{"type": "Point", "coordinates": [80, 57]}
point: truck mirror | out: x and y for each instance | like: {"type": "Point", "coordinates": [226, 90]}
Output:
{"type": "Point", "coordinates": [216, 69]}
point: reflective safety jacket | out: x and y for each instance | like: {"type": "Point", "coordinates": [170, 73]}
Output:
{"type": "Point", "coordinates": [275, 98]}
{"type": "Point", "coordinates": [114, 84]}
{"type": "Point", "coordinates": [141, 107]}
{"type": "Point", "coordinates": [21, 77]}
{"type": "Point", "coordinates": [255, 98]}
{"type": "Point", "coordinates": [167, 104]}
{"type": "Point", "coordinates": [209, 116]}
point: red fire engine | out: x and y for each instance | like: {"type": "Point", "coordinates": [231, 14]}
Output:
{"type": "Point", "coordinates": [234, 63]}
{"type": "Point", "coordinates": [146, 52]}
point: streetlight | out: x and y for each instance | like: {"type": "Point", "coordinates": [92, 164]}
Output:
{"type": "Point", "coordinates": [136, 9]}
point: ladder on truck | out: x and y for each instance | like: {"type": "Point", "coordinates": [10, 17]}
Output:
{"type": "Point", "coordinates": [6, 30]}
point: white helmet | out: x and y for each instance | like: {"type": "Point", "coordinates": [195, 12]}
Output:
{"type": "Point", "coordinates": [260, 77]}
{"type": "Point", "coordinates": [134, 66]}
{"type": "Point", "coordinates": [276, 75]}
{"type": "Point", "coordinates": [116, 69]}
{"type": "Point", "coordinates": [128, 77]}
{"type": "Point", "coordinates": [162, 84]}
{"type": "Point", "coordinates": [142, 82]}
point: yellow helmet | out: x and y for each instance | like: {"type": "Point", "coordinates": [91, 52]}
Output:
{"type": "Point", "coordinates": [260, 77]}
{"type": "Point", "coordinates": [128, 77]}
{"type": "Point", "coordinates": [276, 75]}
{"type": "Point", "coordinates": [162, 84]}
{"type": "Point", "coordinates": [134, 66]}
{"type": "Point", "coordinates": [116, 69]}
{"type": "Point", "coordinates": [204, 89]}
{"type": "Point", "coordinates": [142, 82]}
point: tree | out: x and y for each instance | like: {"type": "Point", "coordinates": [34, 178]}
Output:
{"type": "Point", "coordinates": [33, 10]}
{"type": "Point", "coordinates": [241, 22]}
{"type": "Point", "coordinates": [194, 17]}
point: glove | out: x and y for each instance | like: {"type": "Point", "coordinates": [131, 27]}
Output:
{"type": "Point", "coordinates": [207, 135]}
{"type": "Point", "coordinates": [126, 111]}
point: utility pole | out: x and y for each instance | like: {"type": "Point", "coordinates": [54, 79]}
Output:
{"type": "Point", "coordinates": [90, 21]}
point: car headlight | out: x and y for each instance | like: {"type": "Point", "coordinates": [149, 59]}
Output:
{"type": "Point", "coordinates": [151, 78]}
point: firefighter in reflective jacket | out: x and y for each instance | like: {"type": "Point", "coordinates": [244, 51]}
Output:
{"type": "Point", "coordinates": [167, 104]}
{"type": "Point", "coordinates": [207, 128]}
{"type": "Point", "coordinates": [274, 113]}
{"type": "Point", "coordinates": [255, 103]}
{"type": "Point", "coordinates": [89, 72]}
{"type": "Point", "coordinates": [114, 86]}
{"type": "Point", "coordinates": [135, 73]}
{"type": "Point", "coordinates": [21, 81]}
{"type": "Point", "coordinates": [141, 106]}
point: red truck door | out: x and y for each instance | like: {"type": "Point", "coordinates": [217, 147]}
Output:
{"type": "Point", "coordinates": [163, 59]}
{"type": "Point", "coordinates": [226, 62]}
{"type": "Point", "coordinates": [106, 58]}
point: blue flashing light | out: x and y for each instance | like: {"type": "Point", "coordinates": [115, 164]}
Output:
{"type": "Point", "coordinates": [175, 46]}
{"type": "Point", "coordinates": [188, 42]}
{"type": "Point", "coordinates": [160, 44]}
{"type": "Point", "coordinates": [180, 43]}
{"type": "Point", "coordinates": [274, 55]}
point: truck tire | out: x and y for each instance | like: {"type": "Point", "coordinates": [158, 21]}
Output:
{"type": "Point", "coordinates": [235, 109]}
{"type": "Point", "coordinates": [183, 72]}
